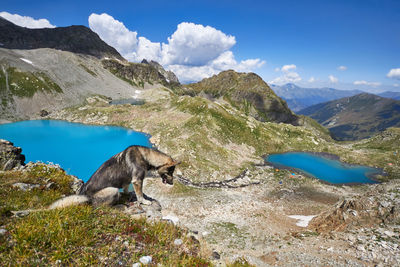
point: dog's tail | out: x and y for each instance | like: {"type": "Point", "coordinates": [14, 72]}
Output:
{"type": "Point", "coordinates": [69, 201]}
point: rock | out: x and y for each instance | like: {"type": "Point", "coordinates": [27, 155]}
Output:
{"type": "Point", "coordinates": [76, 184]}
{"type": "Point", "coordinates": [43, 113]}
{"type": "Point", "coordinates": [178, 242]}
{"type": "Point", "coordinates": [10, 156]}
{"type": "Point", "coordinates": [215, 255]}
{"type": "Point", "coordinates": [21, 213]}
{"type": "Point", "coordinates": [360, 248]}
{"type": "Point", "coordinates": [146, 260]}
{"type": "Point", "coordinates": [171, 218]}
{"type": "Point", "coordinates": [389, 233]}
{"type": "Point", "coordinates": [25, 187]}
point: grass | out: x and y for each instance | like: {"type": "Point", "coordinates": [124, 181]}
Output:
{"type": "Point", "coordinates": [81, 235]}
{"type": "Point", "coordinates": [27, 84]}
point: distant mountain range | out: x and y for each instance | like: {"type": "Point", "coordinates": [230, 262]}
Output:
{"type": "Point", "coordinates": [299, 98]}
{"type": "Point", "coordinates": [356, 117]}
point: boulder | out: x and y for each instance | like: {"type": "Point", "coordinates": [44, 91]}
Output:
{"type": "Point", "coordinates": [10, 156]}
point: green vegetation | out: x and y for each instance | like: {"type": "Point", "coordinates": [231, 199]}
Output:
{"type": "Point", "coordinates": [26, 84]}
{"type": "Point", "coordinates": [81, 235]}
{"type": "Point", "coordinates": [88, 70]}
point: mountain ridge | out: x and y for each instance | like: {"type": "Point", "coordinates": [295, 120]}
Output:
{"type": "Point", "coordinates": [76, 39]}
{"type": "Point", "coordinates": [356, 117]}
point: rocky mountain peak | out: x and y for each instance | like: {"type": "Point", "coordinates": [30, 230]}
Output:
{"type": "Point", "coordinates": [246, 91]}
{"type": "Point", "coordinates": [76, 39]}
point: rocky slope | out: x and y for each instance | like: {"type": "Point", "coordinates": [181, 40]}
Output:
{"type": "Point", "coordinates": [49, 79]}
{"type": "Point", "coordinates": [246, 91]}
{"type": "Point", "coordinates": [299, 98]}
{"type": "Point", "coordinates": [356, 117]}
{"type": "Point", "coordinates": [76, 39]}
{"type": "Point", "coordinates": [138, 74]}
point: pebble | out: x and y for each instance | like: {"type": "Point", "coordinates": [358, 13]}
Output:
{"type": "Point", "coordinates": [145, 260]}
{"type": "Point", "coordinates": [178, 242]}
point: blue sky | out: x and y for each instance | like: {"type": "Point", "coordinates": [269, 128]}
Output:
{"type": "Point", "coordinates": [311, 38]}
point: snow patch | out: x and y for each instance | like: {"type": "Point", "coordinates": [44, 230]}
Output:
{"type": "Point", "coordinates": [302, 220]}
{"type": "Point", "coordinates": [26, 60]}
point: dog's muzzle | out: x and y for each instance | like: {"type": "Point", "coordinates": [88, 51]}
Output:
{"type": "Point", "coordinates": [167, 180]}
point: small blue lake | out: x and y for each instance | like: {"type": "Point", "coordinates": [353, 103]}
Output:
{"type": "Point", "coordinates": [323, 168]}
{"type": "Point", "coordinates": [79, 149]}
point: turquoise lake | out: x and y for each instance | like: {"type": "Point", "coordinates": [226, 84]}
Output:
{"type": "Point", "coordinates": [79, 149]}
{"type": "Point", "coordinates": [323, 168]}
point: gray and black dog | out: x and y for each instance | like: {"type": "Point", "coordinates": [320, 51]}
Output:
{"type": "Point", "coordinates": [122, 169]}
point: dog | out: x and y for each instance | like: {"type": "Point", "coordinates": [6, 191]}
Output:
{"type": "Point", "coordinates": [122, 169]}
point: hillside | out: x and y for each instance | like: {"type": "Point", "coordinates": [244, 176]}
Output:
{"type": "Point", "coordinates": [246, 91]}
{"type": "Point", "coordinates": [299, 98]}
{"type": "Point", "coordinates": [356, 117]}
{"type": "Point", "coordinates": [76, 39]}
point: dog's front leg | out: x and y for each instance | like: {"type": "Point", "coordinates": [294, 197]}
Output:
{"type": "Point", "coordinates": [137, 186]}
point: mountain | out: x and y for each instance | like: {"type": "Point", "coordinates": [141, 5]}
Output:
{"type": "Point", "coordinates": [76, 39]}
{"type": "Point", "coordinates": [389, 94]}
{"type": "Point", "coordinates": [299, 98]}
{"type": "Point", "coordinates": [245, 91]}
{"type": "Point", "coordinates": [356, 117]}
{"type": "Point", "coordinates": [138, 74]}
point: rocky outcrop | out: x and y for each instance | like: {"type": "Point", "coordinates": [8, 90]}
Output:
{"type": "Point", "coordinates": [246, 91]}
{"type": "Point", "coordinates": [10, 156]}
{"type": "Point", "coordinates": [138, 74]}
{"type": "Point", "coordinates": [379, 205]}
{"type": "Point", "coordinates": [169, 75]}
{"type": "Point", "coordinates": [76, 39]}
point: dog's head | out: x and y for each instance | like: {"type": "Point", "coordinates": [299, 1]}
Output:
{"type": "Point", "coordinates": [167, 172]}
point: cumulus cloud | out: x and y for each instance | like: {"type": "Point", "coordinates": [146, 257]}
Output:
{"type": "Point", "coordinates": [374, 84]}
{"type": "Point", "coordinates": [193, 51]}
{"type": "Point", "coordinates": [287, 68]}
{"type": "Point", "coordinates": [311, 80]}
{"type": "Point", "coordinates": [195, 44]}
{"type": "Point", "coordinates": [114, 33]}
{"type": "Point", "coordinates": [342, 68]}
{"type": "Point", "coordinates": [225, 61]}
{"type": "Point", "coordinates": [25, 21]}
{"type": "Point", "coordinates": [394, 74]}
{"type": "Point", "coordinates": [333, 79]}
{"type": "Point", "coordinates": [288, 75]}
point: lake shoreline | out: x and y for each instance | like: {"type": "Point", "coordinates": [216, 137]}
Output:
{"type": "Point", "coordinates": [370, 175]}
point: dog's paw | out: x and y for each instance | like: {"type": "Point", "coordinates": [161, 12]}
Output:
{"type": "Point", "coordinates": [145, 202]}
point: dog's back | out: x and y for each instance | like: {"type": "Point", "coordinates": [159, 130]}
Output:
{"type": "Point", "coordinates": [120, 168]}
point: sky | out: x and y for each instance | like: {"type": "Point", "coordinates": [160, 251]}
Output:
{"type": "Point", "coordinates": [343, 44]}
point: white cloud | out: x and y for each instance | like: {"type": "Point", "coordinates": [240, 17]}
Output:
{"type": "Point", "coordinates": [25, 21]}
{"type": "Point", "coordinates": [333, 79]}
{"type": "Point", "coordinates": [146, 49]}
{"type": "Point", "coordinates": [288, 76]}
{"type": "Point", "coordinates": [311, 80]}
{"type": "Point", "coordinates": [374, 84]}
{"type": "Point", "coordinates": [342, 68]}
{"type": "Point", "coordinates": [394, 74]}
{"type": "Point", "coordinates": [225, 61]}
{"type": "Point", "coordinates": [195, 44]}
{"type": "Point", "coordinates": [287, 68]}
{"type": "Point", "coordinates": [396, 85]}
{"type": "Point", "coordinates": [193, 51]}
{"type": "Point", "coordinates": [114, 33]}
